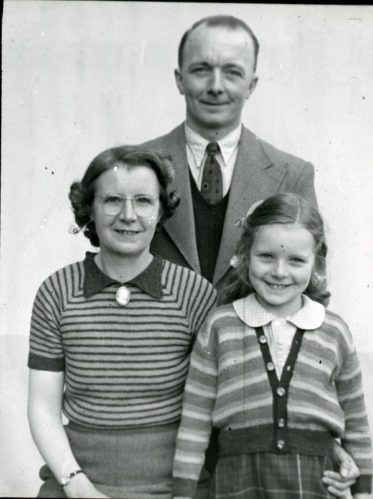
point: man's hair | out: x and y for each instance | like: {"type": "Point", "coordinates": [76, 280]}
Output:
{"type": "Point", "coordinates": [219, 21]}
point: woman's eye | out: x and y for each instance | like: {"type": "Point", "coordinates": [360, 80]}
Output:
{"type": "Point", "coordinates": [144, 200]}
{"type": "Point", "coordinates": [112, 200]}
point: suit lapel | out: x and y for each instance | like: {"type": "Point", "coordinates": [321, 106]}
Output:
{"type": "Point", "coordinates": [253, 179]}
{"type": "Point", "coordinates": [181, 226]}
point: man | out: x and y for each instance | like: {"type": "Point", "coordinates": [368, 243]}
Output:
{"type": "Point", "coordinates": [216, 75]}
{"type": "Point", "coordinates": [221, 167]}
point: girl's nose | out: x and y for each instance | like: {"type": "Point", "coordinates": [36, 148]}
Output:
{"type": "Point", "coordinates": [128, 212]}
{"type": "Point", "coordinates": [279, 269]}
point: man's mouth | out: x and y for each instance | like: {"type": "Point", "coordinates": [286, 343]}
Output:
{"type": "Point", "coordinates": [209, 103]}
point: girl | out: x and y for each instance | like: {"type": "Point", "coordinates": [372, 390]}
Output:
{"type": "Point", "coordinates": [274, 370]}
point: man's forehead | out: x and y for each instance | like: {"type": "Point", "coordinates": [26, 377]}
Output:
{"type": "Point", "coordinates": [205, 38]}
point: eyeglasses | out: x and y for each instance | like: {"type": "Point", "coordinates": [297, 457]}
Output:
{"type": "Point", "coordinates": [144, 205]}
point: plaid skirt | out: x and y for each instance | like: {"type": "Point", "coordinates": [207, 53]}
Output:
{"type": "Point", "coordinates": [266, 475]}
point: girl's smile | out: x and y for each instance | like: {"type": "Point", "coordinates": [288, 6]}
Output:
{"type": "Point", "coordinates": [281, 263]}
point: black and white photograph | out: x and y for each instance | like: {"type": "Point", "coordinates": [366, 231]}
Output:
{"type": "Point", "coordinates": [186, 289]}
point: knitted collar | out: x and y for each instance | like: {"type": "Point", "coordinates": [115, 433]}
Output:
{"type": "Point", "coordinates": [309, 317]}
{"type": "Point", "coordinates": [150, 279]}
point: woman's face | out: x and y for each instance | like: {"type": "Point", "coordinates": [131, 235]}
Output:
{"type": "Point", "coordinates": [126, 210]}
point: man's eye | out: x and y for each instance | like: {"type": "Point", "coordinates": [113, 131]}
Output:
{"type": "Point", "coordinates": [200, 70]}
{"type": "Point", "coordinates": [233, 72]}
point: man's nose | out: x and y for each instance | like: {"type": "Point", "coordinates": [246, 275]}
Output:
{"type": "Point", "coordinates": [128, 212]}
{"type": "Point", "coordinates": [216, 84]}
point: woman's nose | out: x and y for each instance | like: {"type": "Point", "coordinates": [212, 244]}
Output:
{"type": "Point", "coordinates": [128, 212]}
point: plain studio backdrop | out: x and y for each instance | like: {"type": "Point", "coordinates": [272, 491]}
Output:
{"type": "Point", "coordinates": [79, 77]}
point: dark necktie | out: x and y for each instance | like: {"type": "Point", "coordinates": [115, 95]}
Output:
{"type": "Point", "coordinates": [212, 182]}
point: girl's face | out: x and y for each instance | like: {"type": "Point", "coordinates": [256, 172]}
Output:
{"type": "Point", "coordinates": [282, 258]}
{"type": "Point", "coordinates": [126, 210]}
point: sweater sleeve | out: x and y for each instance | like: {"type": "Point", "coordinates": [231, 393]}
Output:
{"type": "Point", "coordinates": [46, 349]}
{"type": "Point", "coordinates": [356, 439]}
{"type": "Point", "coordinates": [196, 422]}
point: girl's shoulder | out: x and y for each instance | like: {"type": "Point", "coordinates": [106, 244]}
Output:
{"type": "Point", "coordinates": [221, 316]}
{"type": "Point", "coordinates": [335, 327]}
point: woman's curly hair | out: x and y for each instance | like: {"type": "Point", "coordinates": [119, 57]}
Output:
{"type": "Point", "coordinates": [82, 193]}
{"type": "Point", "coordinates": [283, 208]}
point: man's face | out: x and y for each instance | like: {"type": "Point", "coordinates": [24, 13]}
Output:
{"type": "Point", "coordinates": [216, 77]}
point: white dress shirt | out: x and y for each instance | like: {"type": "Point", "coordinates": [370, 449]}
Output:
{"type": "Point", "coordinates": [196, 154]}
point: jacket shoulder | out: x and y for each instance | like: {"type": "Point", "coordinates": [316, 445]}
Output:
{"type": "Point", "coordinates": [274, 153]}
{"type": "Point", "coordinates": [159, 144]}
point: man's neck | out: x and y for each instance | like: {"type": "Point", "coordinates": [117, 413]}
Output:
{"type": "Point", "coordinates": [211, 134]}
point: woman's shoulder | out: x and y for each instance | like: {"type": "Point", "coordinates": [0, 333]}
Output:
{"type": "Point", "coordinates": [184, 274]}
{"type": "Point", "coordinates": [64, 275]}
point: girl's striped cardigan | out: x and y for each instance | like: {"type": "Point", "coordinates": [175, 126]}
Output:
{"type": "Point", "coordinates": [229, 387]}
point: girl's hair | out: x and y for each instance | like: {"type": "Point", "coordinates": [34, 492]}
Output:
{"type": "Point", "coordinates": [285, 208]}
{"type": "Point", "coordinates": [82, 193]}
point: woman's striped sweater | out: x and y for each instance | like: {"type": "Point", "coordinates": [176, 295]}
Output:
{"type": "Point", "coordinates": [230, 386]}
{"type": "Point", "coordinates": [124, 366]}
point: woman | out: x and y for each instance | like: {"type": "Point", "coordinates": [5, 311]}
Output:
{"type": "Point", "coordinates": [111, 338]}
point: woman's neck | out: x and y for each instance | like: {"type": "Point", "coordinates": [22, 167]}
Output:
{"type": "Point", "coordinates": [122, 269]}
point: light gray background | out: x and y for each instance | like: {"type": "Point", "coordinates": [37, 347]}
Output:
{"type": "Point", "coordinates": [79, 77]}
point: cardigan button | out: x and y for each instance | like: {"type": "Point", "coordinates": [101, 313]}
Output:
{"type": "Point", "coordinates": [262, 339]}
{"type": "Point", "coordinates": [280, 391]}
{"type": "Point", "coordinates": [281, 422]}
{"type": "Point", "coordinates": [270, 366]}
{"type": "Point", "coordinates": [280, 444]}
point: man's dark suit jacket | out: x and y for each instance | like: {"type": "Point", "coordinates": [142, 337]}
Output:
{"type": "Point", "coordinates": [260, 171]}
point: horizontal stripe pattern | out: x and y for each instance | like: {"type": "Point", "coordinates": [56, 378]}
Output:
{"type": "Point", "coordinates": [124, 366]}
{"type": "Point", "coordinates": [325, 392]}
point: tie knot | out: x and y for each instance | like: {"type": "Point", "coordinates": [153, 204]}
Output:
{"type": "Point", "coordinates": [212, 148]}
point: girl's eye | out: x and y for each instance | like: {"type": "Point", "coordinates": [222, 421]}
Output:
{"type": "Point", "coordinates": [297, 260]}
{"type": "Point", "coordinates": [265, 256]}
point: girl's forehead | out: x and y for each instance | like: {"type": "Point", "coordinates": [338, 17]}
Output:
{"type": "Point", "coordinates": [284, 236]}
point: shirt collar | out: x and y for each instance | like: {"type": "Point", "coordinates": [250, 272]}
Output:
{"type": "Point", "coordinates": [149, 280]}
{"type": "Point", "coordinates": [309, 317]}
{"type": "Point", "coordinates": [198, 144]}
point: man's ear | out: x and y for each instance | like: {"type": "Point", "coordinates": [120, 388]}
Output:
{"type": "Point", "coordinates": [252, 86]}
{"type": "Point", "coordinates": [179, 81]}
